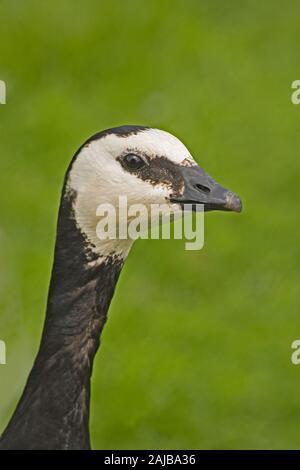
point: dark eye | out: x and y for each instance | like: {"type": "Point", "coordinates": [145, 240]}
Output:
{"type": "Point", "coordinates": [133, 162]}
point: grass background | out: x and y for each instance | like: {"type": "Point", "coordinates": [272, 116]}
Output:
{"type": "Point", "coordinates": [196, 353]}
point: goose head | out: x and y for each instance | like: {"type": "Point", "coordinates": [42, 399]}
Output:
{"type": "Point", "coordinates": [146, 166]}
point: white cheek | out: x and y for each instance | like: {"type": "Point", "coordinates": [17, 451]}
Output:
{"type": "Point", "coordinates": [144, 192]}
{"type": "Point", "coordinates": [101, 180]}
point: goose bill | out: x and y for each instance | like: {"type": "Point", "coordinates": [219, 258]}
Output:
{"type": "Point", "coordinates": [200, 188]}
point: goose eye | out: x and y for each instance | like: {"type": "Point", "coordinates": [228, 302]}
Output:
{"type": "Point", "coordinates": [133, 162]}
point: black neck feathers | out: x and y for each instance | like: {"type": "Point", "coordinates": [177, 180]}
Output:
{"type": "Point", "coordinates": [53, 412]}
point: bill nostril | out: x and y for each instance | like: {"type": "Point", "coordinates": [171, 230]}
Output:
{"type": "Point", "coordinates": [201, 187]}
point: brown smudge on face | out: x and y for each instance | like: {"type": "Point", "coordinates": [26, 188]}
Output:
{"type": "Point", "coordinates": [159, 170]}
{"type": "Point", "coordinates": [187, 162]}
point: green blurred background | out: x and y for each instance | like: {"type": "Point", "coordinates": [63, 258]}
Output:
{"type": "Point", "coordinates": [196, 352]}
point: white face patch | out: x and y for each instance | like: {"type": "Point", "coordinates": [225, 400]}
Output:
{"type": "Point", "coordinates": [97, 177]}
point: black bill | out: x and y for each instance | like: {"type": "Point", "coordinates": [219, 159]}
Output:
{"type": "Point", "coordinates": [200, 188]}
